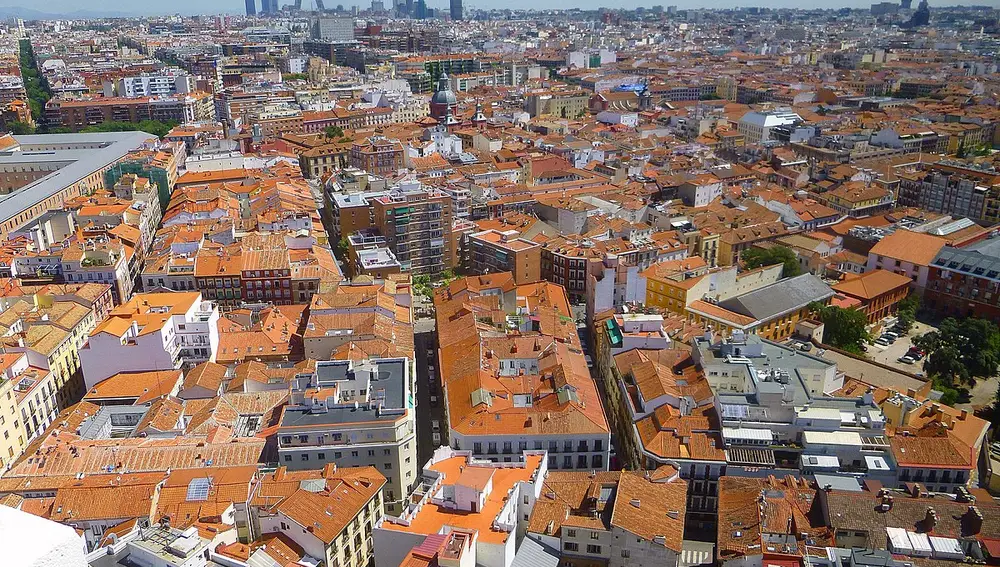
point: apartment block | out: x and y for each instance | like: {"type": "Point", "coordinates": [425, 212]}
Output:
{"type": "Point", "coordinates": [416, 223]}
{"type": "Point", "coordinates": [492, 251]}
{"type": "Point", "coordinates": [550, 403]}
{"type": "Point", "coordinates": [152, 331]}
{"type": "Point", "coordinates": [479, 507]}
{"type": "Point", "coordinates": [354, 414]}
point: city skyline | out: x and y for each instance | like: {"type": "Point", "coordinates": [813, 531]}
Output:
{"type": "Point", "coordinates": [113, 8]}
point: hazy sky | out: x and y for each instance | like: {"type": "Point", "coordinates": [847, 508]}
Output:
{"type": "Point", "coordinates": [237, 6]}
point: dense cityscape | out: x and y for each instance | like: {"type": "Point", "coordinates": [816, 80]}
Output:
{"type": "Point", "coordinates": [454, 285]}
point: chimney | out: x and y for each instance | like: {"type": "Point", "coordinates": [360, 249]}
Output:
{"type": "Point", "coordinates": [974, 520]}
{"type": "Point", "coordinates": [930, 519]}
{"type": "Point", "coordinates": [964, 415]}
{"type": "Point", "coordinates": [886, 502]}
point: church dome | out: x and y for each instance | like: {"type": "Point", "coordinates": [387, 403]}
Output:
{"type": "Point", "coordinates": [444, 95]}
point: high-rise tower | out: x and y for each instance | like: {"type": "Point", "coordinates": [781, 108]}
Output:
{"type": "Point", "coordinates": [456, 9]}
{"type": "Point", "coordinates": [251, 7]}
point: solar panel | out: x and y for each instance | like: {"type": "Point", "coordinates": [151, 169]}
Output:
{"type": "Point", "coordinates": [198, 489]}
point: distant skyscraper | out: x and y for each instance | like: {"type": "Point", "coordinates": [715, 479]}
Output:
{"type": "Point", "coordinates": [456, 9]}
{"type": "Point", "coordinates": [905, 4]}
{"type": "Point", "coordinates": [421, 11]}
{"type": "Point", "coordinates": [251, 8]}
{"type": "Point", "coordinates": [922, 16]}
{"type": "Point", "coordinates": [268, 6]}
{"type": "Point", "coordinates": [409, 8]}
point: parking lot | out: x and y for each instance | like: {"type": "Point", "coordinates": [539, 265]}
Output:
{"type": "Point", "coordinates": [889, 355]}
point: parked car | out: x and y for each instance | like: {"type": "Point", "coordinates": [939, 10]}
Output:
{"type": "Point", "coordinates": [436, 438]}
{"type": "Point", "coordinates": [434, 401]}
{"type": "Point", "coordinates": [435, 425]}
{"type": "Point", "coordinates": [905, 359]}
{"type": "Point", "coordinates": [590, 361]}
{"type": "Point", "coordinates": [882, 341]}
{"type": "Point", "coordinates": [890, 334]}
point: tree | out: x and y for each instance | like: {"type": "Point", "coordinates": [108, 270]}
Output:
{"type": "Point", "coordinates": [907, 311]}
{"type": "Point", "coordinates": [155, 127]}
{"type": "Point", "coordinates": [961, 350]}
{"type": "Point", "coordinates": [757, 257]}
{"type": "Point", "coordinates": [341, 250]}
{"type": "Point", "coordinates": [843, 328]}
{"type": "Point", "coordinates": [333, 132]}
{"type": "Point", "coordinates": [21, 128]}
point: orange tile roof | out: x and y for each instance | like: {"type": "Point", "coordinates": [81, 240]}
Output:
{"type": "Point", "coordinates": [872, 284]}
{"type": "Point", "coordinates": [144, 386]}
{"type": "Point", "coordinates": [917, 248]}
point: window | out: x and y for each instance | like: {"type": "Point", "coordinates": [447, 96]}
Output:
{"type": "Point", "coordinates": [570, 546]}
{"type": "Point", "coordinates": [595, 535]}
{"type": "Point", "coordinates": [625, 553]}
{"type": "Point", "coordinates": [387, 466]}
{"type": "Point", "coordinates": [386, 452]}
{"type": "Point", "coordinates": [336, 454]}
{"type": "Point", "coordinates": [288, 457]}
{"type": "Point", "coordinates": [570, 533]}
{"type": "Point", "coordinates": [593, 549]}
{"type": "Point", "coordinates": [286, 439]}
{"type": "Point", "coordinates": [305, 457]}
{"type": "Point", "coordinates": [303, 438]}
{"type": "Point", "coordinates": [354, 453]}
{"type": "Point", "coordinates": [371, 452]}
{"type": "Point", "coordinates": [321, 456]}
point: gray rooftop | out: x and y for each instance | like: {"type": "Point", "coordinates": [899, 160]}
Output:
{"type": "Point", "coordinates": [80, 154]}
{"type": "Point", "coordinates": [983, 262]}
{"type": "Point", "coordinates": [779, 298]}
{"type": "Point", "coordinates": [532, 553]}
{"type": "Point", "coordinates": [777, 369]}
{"type": "Point", "coordinates": [383, 379]}
{"type": "Point", "coordinates": [838, 482]}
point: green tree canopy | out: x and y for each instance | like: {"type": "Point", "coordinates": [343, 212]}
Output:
{"type": "Point", "coordinates": [961, 350]}
{"type": "Point", "coordinates": [907, 311]}
{"type": "Point", "coordinates": [341, 250]}
{"type": "Point", "coordinates": [842, 328]}
{"type": "Point", "coordinates": [333, 132]}
{"type": "Point", "coordinates": [20, 128]}
{"type": "Point", "coordinates": [154, 127]}
{"type": "Point", "coordinates": [757, 257]}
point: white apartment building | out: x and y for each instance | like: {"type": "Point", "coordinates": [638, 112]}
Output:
{"type": "Point", "coordinates": [756, 127]}
{"type": "Point", "coordinates": [153, 331]}
{"type": "Point", "coordinates": [168, 82]}
{"type": "Point", "coordinates": [354, 414]}
{"type": "Point", "coordinates": [485, 506]}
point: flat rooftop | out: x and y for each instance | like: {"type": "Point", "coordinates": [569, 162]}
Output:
{"type": "Point", "coordinates": [79, 155]}
{"type": "Point", "coordinates": [431, 518]}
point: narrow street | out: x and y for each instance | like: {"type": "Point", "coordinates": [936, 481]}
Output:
{"type": "Point", "coordinates": [425, 351]}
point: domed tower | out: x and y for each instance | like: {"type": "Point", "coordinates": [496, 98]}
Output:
{"type": "Point", "coordinates": [479, 119]}
{"type": "Point", "coordinates": [645, 97]}
{"type": "Point", "coordinates": [444, 99]}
